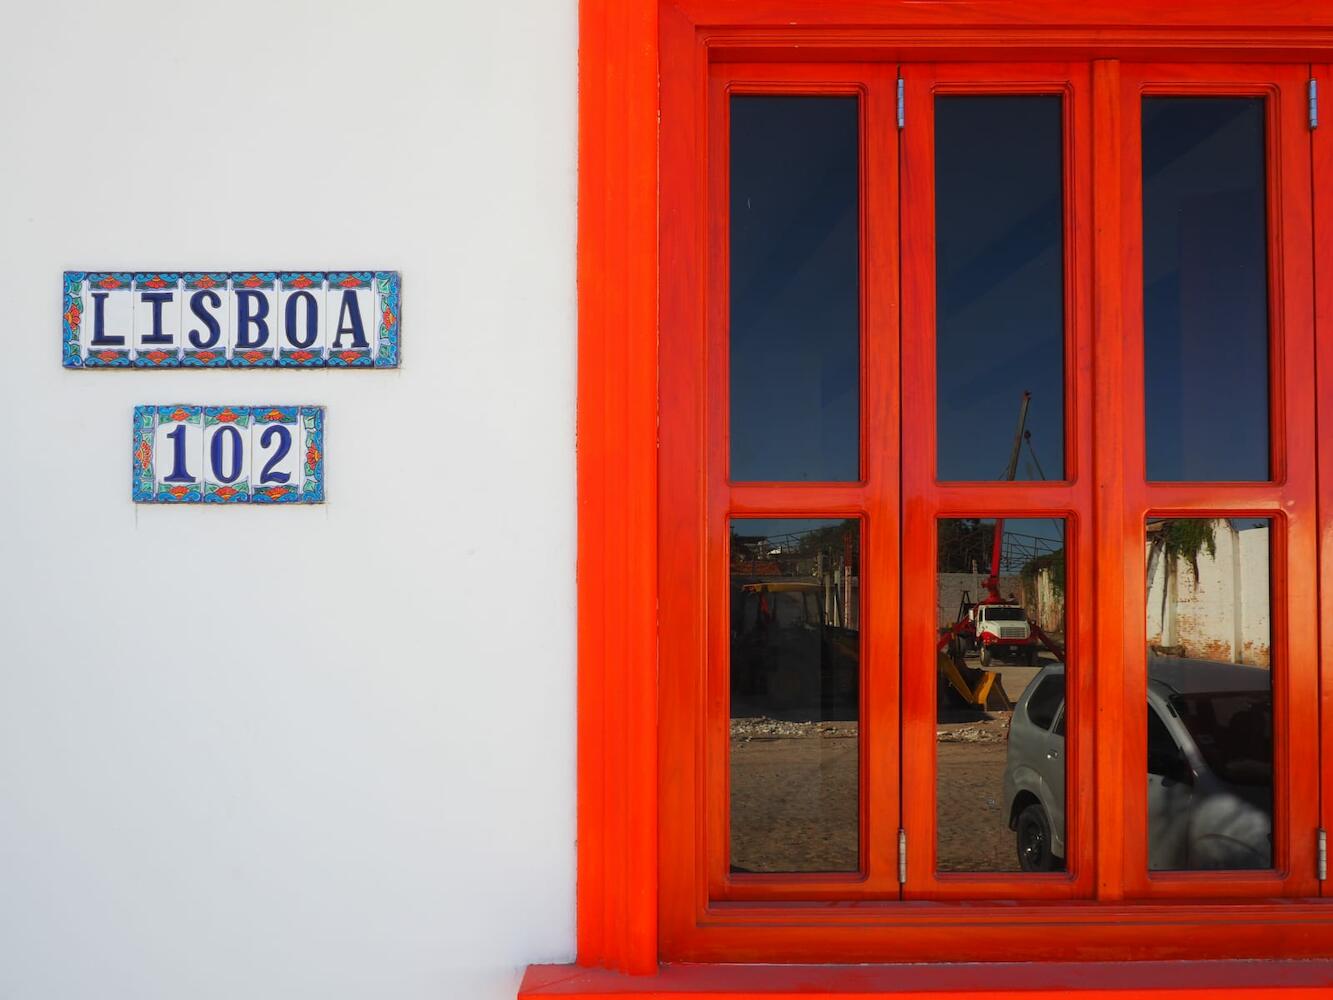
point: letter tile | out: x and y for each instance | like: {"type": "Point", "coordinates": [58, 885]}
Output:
{"type": "Point", "coordinates": [157, 320]}
{"type": "Point", "coordinates": [206, 319]}
{"type": "Point", "coordinates": [108, 323]}
{"type": "Point", "coordinates": [254, 319]}
{"type": "Point", "coordinates": [352, 319]}
{"type": "Point", "coordinates": [302, 320]}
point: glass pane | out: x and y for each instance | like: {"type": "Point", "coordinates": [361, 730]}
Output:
{"type": "Point", "coordinates": [795, 289]}
{"type": "Point", "coordinates": [1210, 694]}
{"type": "Point", "coordinates": [1000, 732]}
{"type": "Point", "coordinates": [999, 286]}
{"type": "Point", "coordinates": [795, 681]}
{"type": "Point", "coordinates": [1205, 289]}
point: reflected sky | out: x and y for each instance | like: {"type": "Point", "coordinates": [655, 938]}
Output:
{"type": "Point", "coordinates": [795, 289]}
{"type": "Point", "coordinates": [1205, 289]}
{"type": "Point", "coordinates": [999, 245]}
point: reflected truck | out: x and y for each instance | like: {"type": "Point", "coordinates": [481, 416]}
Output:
{"type": "Point", "coordinates": [1209, 767]}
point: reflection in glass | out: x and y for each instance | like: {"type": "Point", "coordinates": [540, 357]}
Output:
{"type": "Point", "coordinates": [1205, 289]}
{"type": "Point", "coordinates": [795, 678]}
{"type": "Point", "coordinates": [999, 259]}
{"type": "Point", "coordinates": [1000, 765]}
{"type": "Point", "coordinates": [795, 289]}
{"type": "Point", "coordinates": [1210, 694]}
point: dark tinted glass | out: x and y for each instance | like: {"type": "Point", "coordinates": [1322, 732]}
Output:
{"type": "Point", "coordinates": [1210, 694]}
{"type": "Point", "coordinates": [795, 289]}
{"type": "Point", "coordinates": [1205, 289]}
{"type": "Point", "coordinates": [1000, 773]}
{"type": "Point", "coordinates": [1046, 700]}
{"type": "Point", "coordinates": [999, 259]}
{"type": "Point", "coordinates": [795, 678]}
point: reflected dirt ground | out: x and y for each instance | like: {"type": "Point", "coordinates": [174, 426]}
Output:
{"type": "Point", "coordinates": [794, 788]}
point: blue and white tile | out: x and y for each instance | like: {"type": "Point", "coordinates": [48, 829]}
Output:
{"type": "Point", "coordinates": [303, 319]}
{"type": "Point", "coordinates": [108, 320]}
{"type": "Point", "coordinates": [157, 320]}
{"type": "Point", "coordinates": [275, 454]}
{"type": "Point", "coordinates": [253, 325]}
{"type": "Point", "coordinates": [178, 454]}
{"type": "Point", "coordinates": [312, 454]}
{"type": "Point", "coordinates": [389, 309]}
{"type": "Point", "coordinates": [352, 321]}
{"type": "Point", "coordinates": [227, 451]}
{"type": "Point", "coordinates": [205, 319]}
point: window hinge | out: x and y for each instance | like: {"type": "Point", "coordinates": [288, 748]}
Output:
{"type": "Point", "coordinates": [902, 111]}
{"type": "Point", "coordinates": [1322, 863]}
{"type": "Point", "coordinates": [1314, 104]}
{"type": "Point", "coordinates": [902, 856]}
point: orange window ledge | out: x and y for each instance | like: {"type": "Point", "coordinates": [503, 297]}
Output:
{"type": "Point", "coordinates": [1019, 981]}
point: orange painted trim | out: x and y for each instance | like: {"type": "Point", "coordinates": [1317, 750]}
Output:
{"type": "Point", "coordinates": [624, 573]}
{"type": "Point", "coordinates": [926, 500]}
{"type": "Point", "coordinates": [1289, 500]}
{"type": "Point", "coordinates": [1321, 181]}
{"type": "Point", "coordinates": [617, 485]}
{"type": "Point", "coordinates": [1086, 980]}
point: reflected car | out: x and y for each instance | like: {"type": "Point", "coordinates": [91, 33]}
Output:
{"type": "Point", "coordinates": [1209, 768]}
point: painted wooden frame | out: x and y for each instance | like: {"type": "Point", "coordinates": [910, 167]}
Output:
{"type": "Point", "coordinates": [629, 559]}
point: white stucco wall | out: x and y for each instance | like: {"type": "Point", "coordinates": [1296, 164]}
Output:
{"type": "Point", "coordinates": [319, 752]}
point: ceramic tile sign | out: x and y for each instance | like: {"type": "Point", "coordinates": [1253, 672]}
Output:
{"type": "Point", "coordinates": [231, 319]}
{"type": "Point", "coordinates": [228, 454]}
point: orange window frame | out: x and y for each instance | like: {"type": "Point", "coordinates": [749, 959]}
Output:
{"type": "Point", "coordinates": [644, 891]}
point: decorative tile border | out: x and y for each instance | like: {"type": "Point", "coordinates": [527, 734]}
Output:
{"type": "Point", "coordinates": [212, 319]}
{"type": "Point", "coordinates": [185, 453]}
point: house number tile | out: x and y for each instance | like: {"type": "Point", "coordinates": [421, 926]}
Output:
{"type": "Point", "coordinates": [184, 453]}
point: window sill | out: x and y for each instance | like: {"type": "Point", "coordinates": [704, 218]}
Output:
{"type": "Point", "coordinates": [1000, 981]}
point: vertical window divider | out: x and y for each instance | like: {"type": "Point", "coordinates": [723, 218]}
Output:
{"type": "Point", "coordinates": [1109, 559]}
